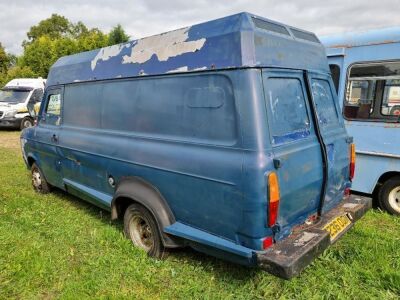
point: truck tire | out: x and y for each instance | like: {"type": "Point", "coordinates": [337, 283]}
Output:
{"type": "Point", "coordinates": [26, 122]}
{"type": "Point", "coordinates": [39, 182]}
{"type": "Point", "coordinates": [141, 228]}
{"type": "Point", "coordinates": [389, 196]}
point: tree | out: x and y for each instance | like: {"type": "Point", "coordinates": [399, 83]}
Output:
{"type": "Point", "coordinates": [54, 27]}
{"type": "Point", "coordinates": [4, 61]}
{"type": "Point", "coordinates": [117, 35]}
{"type": "Point", "coordinates": [38, 56]}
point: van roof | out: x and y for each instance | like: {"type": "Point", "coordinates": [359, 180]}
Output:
{"type": "Point", "coordinates": [357, 39]}
{"type": "Point", "coordinates": [27, 83]}
{"type": "Point", "coordinates": [241, 40]}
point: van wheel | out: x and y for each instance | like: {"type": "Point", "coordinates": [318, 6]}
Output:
{"type": "Point", "coordinates": [395, 111]}
{"type": "Point", "coordinates": [26, 122]}
{"type": "Point", "coordinates": [141, 228]}
{"type": "Point", "coordinates": [39, 183]}
{"type": "Point", "coordinates": [389, 196]}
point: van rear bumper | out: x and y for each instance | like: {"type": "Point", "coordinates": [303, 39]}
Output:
{"type": "Point", "coordinates": [287, 258]}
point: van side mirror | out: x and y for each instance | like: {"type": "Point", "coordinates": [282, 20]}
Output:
{"type": "Point", "coordinates": [31, 108]}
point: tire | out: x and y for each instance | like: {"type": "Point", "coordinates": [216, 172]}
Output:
{"type": "Point", "coordinates": [39, 182]}
{"type": "Point", "coordinates": [26, 122]}
{"type": "Point", "coordinates": [141, 228]}
{"type": "Point", "coordinates": [395, 111]}
{"type": "Point", "coordinates": [389, 196]}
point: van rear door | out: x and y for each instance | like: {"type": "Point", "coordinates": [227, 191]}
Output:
{"type": "Point", "coordinates": [295, 146]}
{"type": "Point", "coordinates": [334, 136]}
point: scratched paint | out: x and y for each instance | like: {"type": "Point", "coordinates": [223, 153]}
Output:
{"type": "Point", "coordinates": [164, 46]}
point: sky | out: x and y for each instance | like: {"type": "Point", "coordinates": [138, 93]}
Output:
{"type": "Point", "coordinates": [142, 18]}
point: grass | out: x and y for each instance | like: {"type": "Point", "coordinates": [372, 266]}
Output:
{"type": "Point", "coordinates": [57, 246]}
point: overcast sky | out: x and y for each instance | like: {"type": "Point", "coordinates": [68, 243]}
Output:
{"type": "Point", "coordinates": [142, 18]}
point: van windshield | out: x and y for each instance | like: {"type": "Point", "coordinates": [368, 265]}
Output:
{"type": "Point", "coordinates": [14, 95]}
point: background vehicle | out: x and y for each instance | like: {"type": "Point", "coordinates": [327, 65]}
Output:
{"type": "Point", "coordinates": [16, 97]}
{"type": "Point", "coordinates": [366, 71]}
{"type": "Point", "coordinates": [224, 136]}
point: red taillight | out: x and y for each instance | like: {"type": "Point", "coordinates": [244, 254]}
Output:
{"type": "Point", "coordinates": [267, 242]}
{"type": "Point", "coordinates": [352, 161]}
{"type": "Point", "coordinates": [273, 199]}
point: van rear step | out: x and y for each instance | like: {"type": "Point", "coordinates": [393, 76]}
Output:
{"type": "Point", "coordinates": [287, 258]}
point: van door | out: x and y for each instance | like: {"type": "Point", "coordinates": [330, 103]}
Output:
{"type": "Point", "coordinates": [295, 145]}
{"type": "Point", "coordinates": [334, 136]}
{"type": "Point", "coordinates": [47, 133]}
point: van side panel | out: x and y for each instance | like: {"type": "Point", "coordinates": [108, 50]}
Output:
{"type": "Point", "coordinates": [200, 179]}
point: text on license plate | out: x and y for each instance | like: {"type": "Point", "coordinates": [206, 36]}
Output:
{"type": "Point", "coordinates": [337, 225]}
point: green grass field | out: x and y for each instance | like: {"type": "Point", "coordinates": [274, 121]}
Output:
{"type": "Point", "coordinates": [57, 246]}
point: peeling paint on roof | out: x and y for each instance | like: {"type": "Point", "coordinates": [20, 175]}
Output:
{"type": "Point", "coordinates": [108, 52]}
{"type": "Point", "coordinates": [229, 42]}
{"type": "Point", "coordinates": [164, 46]}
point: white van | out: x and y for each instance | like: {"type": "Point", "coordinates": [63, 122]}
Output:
{"type": "Point", "coordinates": [14, 100]}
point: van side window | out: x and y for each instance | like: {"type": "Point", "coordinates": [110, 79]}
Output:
{"type": "Point", "coordinates": [324, 102]}
{"type": "Point", "coordinates": [335, 72]}
{"type": "Point", "coordinates": [373, 92]}
{"type": "Point", "coordinates": [52, 114]}
{"type": "Point", "coordinates": [286, 102]}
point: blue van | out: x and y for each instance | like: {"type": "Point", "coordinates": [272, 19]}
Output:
{"type": "Point", "coordinates": [366, 70]}
{"type": "Point", "coordinates": [223, 136]}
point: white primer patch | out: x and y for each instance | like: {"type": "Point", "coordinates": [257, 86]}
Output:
{"type": "Point", "coordinates": [108, 52]}
{"type": "Point", "coordinates": [164, 46]}
{"type": "Point", "coordinates": [305, 238]}
{"type": "Point", "coordinates": [199, 69]}
{"type": "Point", "coordinates": [350, 205]}
{"type": "Point", "coordinates": [181, 69]}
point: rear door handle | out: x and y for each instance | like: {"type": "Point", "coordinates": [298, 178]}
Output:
{"type": "Point", "coordinates": [54, 138]}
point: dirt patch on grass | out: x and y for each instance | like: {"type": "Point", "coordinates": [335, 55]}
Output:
{"type": "Point", "coordinates": [10, 140]}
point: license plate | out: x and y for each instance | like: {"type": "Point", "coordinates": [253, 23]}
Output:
{"type": "Point", "coordinates": [337, 225]}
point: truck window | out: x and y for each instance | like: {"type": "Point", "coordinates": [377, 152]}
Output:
{"type": "Point", "coordinates": [373, 92]}
{"type": "Point", "coordinates": [286, 102]}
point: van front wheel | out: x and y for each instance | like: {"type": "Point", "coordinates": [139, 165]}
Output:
{"type": "Point", "coordinates": [389, 196]}
{"type": "Point", "coordinates": [141, 228]}
{"type": "Point", "coordinates": [39, 183]}
{"type": "Point", "coordinates": [26, 123]}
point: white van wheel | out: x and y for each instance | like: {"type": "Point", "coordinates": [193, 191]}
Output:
{"type": "Point", "coordinates": [26, 123]}
{"type": "Point", "coordinates": [389, 196]}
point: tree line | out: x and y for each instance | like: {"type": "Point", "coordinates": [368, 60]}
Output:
{"type": "Point", "coordinates": [51, 39]}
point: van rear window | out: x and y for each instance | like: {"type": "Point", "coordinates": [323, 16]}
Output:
{"type": "Point", "coordinates": [325, 104]}
{"type": "Point", "coordinates": [288, 113]}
